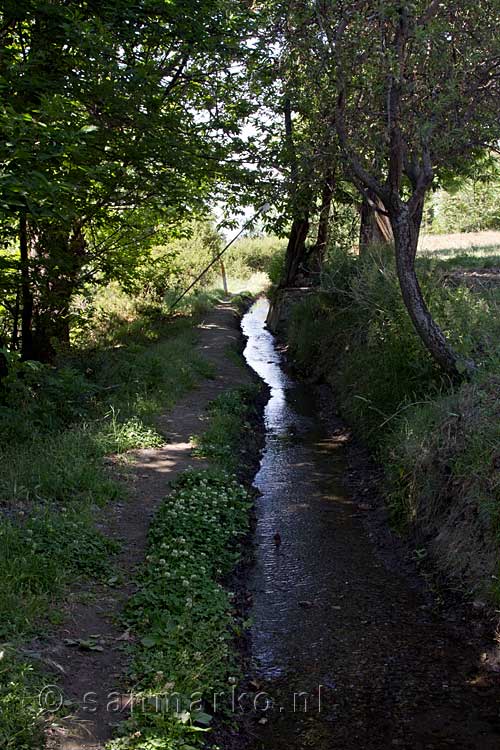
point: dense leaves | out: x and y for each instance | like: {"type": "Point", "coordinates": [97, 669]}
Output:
{"type": "Point", "coordinates": [116, 119]}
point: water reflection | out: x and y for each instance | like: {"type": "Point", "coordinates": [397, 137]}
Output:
{"type": "Point", "coordinates": [327, 613]}
{"type": "Point", "coordinates": [290, 583]}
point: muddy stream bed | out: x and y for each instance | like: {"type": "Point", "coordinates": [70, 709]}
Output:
{"type": "Point", "coordinates": [348, 651]}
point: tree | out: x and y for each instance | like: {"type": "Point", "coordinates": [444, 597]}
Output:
{"type": "Point", "coordinates": [416, 93]}
{"type": "Point", "coordinates": [107, 108]}
{"type": "Point", "coordinates": [294, 147]}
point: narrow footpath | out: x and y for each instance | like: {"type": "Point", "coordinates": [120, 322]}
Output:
{"type": "Point", "coordinates": [88, 678]}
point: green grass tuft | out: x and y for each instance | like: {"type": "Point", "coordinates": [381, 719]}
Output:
{"type": "Point", "coordinates": [21, 719]}
{"type": "Point", "coordinates": [228, 417]}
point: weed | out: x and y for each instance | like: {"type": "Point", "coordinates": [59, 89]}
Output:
{"type": "Point", "coordinates": [182, 617]}
{"type": "Point", "coordinates": [57, 425]}
{"type": "Point", "coordinates": [181, 614]}
{"type": "Point", "coordinates": [39, 557]}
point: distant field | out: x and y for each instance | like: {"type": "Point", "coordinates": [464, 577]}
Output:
{"type": "Point", "coordinates": [477, 243]}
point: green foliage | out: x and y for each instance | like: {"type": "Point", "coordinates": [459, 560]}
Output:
{"type": "Point", "coordinates": [63, 467]}
{"type": "Point", "coordinates": [358, 328]}
{"type": "Point", "coordinates": [108, 138]}
{"type": "Point", "coordinates": [276, 267]}
{"type": "Point", "coordinates": [485, 257]}
{"type": "Point", "coordinates": [57, 426]}
{"type": "Point", "coordinates": [20, 714]}
{"type": "Point", "coordinates": [41, 555]}
{"type": "Point", "coordinates": [175, 265]}
{"type": "Point", "coordinates": [253, 254]}
{"type": "Point", "coordinates": [473, 207]}
{"type": "Point", "coordinates": [227, 420]}
{"type": "Point", "coordinates": [441, 460]}
{"type": "Point", "coordinates": [39, 397]}
{"type": "Point", "coordinates": [181, 615]}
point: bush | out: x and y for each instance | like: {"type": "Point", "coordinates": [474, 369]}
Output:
{"type": "Point", "coordinates": [36, 397]}
{"type": "Point", "coordinates": [473, 207]}
{"type": "Point", "coordinates": [358, 329]}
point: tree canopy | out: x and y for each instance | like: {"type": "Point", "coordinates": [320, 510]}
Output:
{"type": "Point", "coordinates": [122, 119]}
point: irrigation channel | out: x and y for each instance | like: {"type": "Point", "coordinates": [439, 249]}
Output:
{"type": "Point", "coordinates": [349, 650]}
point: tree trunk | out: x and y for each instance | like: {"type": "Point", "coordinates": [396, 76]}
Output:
{"type": "Point", "coordinates": [375, 227]}
{"type": "Point", "coordinates": [14, 339]}
{"type": "Point", "coordinates": [26, 292]}
{"type": "Point", "coordinates": [60, 258]}
{"type": "Point", "coordinates": [317, 254]}
{"type": "Point", "coordinates": [296, 250]}
{"type": "Point", "coordinates": [51, 328]}
{"type": "Point", "coordinates": [406, 229]}
{"type": "Point", "coordinates": [4, 367]}
{"type": "Point", "coordinates": [224, 276]}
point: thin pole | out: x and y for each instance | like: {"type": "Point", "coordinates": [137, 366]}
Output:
{"type": "Point", "coordinates": [261, 210]}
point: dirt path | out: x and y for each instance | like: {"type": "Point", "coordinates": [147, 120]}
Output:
{"type": "Point", "coordinates": [90, 679]}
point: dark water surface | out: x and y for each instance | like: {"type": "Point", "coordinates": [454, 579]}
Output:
{"type": "Point", "coordinates": [347, 654]}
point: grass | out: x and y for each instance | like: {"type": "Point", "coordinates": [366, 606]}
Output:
{"type": "Point", "coordinates": [21, 716]}
{"type": "Point", "coordinates": [228, 416]}
{"type": "Point", "coordinates": [438, 441]}
{"type": "Point", "coordinates": [477, 243]}
{"type": "Point", "coordinates": [489, 258]}
{"type": "Point", "coordinates": [182, 617]}
{"type": "Point", "coordinates": [39, 557]}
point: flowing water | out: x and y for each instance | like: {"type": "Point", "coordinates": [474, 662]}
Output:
{"type": "Point", "coordinates": [347, 653]}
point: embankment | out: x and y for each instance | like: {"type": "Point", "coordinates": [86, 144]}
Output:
{"type": "Point", "coordinates": [437, 441]}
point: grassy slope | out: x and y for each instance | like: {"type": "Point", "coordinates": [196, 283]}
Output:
{"type": "Point", "coordinates": [438, 443]}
